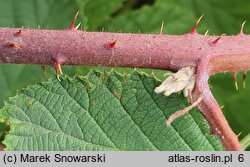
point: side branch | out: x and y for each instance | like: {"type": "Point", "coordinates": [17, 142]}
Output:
{"type": "Point", "coordinates": [211, 109]}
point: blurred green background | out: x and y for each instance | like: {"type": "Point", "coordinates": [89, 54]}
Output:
{"type": "Point", "coordinates": [137, 16]}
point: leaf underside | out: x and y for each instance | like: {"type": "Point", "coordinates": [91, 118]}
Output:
{"type": "Point", "coordinates": [103, 111]}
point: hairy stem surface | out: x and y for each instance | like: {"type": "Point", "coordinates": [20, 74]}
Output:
{"type": "Point", "coordinates": [208, 54]}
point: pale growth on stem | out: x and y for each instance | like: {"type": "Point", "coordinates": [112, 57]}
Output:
{"type": "Point", "coordinates": [184, 80]}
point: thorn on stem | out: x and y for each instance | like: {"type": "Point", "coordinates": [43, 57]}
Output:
{"type": "Point", "coordinates": [193, 31]}
{"type": "Point", "coordinates": [78, 26]}
{"type": "Point", "coordinates": [242, 28]}
{"type": "Point", "coordinates": [112, 44]}
{"type": "Point", "coordinates": [244, 77]}
{"type": "Point", "coordinates": [44, 71]}
{"type": "Point", "coordinates": [234, 75]}
{"type": "Point", "coordinates": [184, 111]}
{"type": "Point", "coordinates": [162, 27]}
{"type": "Point", "coordinates": [216, 40]}
{"type": "Point", "coordinates": [58, 69]}
{"type": "Point", "coordinates": [236, 85]}
{"type": "Point", "coordinates": [58, 60]}
{"type": "Point", "coordinates": [17, 33]}
{"type": "Point", "coordinates": [72, 25]}
{"type": "Point", "coordinates": [239, 134]}
{"type": "Point", "coordinates": [206, 33]}
{"type": "Point", "coordinates": [12, 45]}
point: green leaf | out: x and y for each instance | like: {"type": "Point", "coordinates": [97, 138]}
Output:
{"type": "Point", "coordinates": [148, 19]}
{"type": "Point", "coordinates": [97, 11]}
{"type": "Point", "coordinates": [34, 13]}
{"type": "Point", "coordinates": [179, 17]}
{"type": "Point", "coordinates": [14, 77]}
{"type": "Point", "coordinates": [103, 111]}
{"type": "Point", "coordinates": [219, 16]}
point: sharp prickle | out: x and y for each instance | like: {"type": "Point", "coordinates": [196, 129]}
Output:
{"type": "Point", "coordinates": [162, 27]}
{"type": "Point", "coordinates": [242, 28]}
{"type": "Point", "coordinates": [234, 75]}
{"type": "Point", "coordinates": [72, 25]}
{"type": "Point", "coordinates": [193, 31]}
{"type": "Point", "coordinates": [244, 78]}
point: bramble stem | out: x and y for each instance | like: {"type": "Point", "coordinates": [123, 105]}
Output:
{"type": "Point", "coordinates": [208, 54]}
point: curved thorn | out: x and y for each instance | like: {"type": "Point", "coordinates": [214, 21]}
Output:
{"type": "Point", "coordinates": [12, 45]}
{"type": "Point", "coordinates": [234, 75]}
{"type": "Point", "coordinates": [239, 134]}
{"type": "Point", "coordinates": [196, 25]}
{"type": "Point", "coordinates": [244, 77]}
{"type": "Point", "coordinates": [78, 26]}
{"type": "Point", "coordinates": [112, 44]}
{"type": "Point", "coordinates": [44, 71]}
{"type": "Point", "coordinates": [18, 33]}
{"type": "Point", "coordinates": [72, 25]}
{"type": "Point", "coordinates": [60, 69]}
{"type": "Point", "coordinates": [206, 33]}
{"type": "Point", "coordinates": [58, 77]}
{"type": "Point", "coordinates": [236, 85]}
{"type": "Point", "coordinates": [242, 28]}
{"type": "Point", "coordinates": [162, 26]}
{"type": "Point", "coordinates": [217, 39]}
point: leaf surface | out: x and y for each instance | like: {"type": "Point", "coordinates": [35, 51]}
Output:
{"type": "Point", "coordinates": [98, 11]}
{"type": "Point", "coordinates": [103, 111]}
